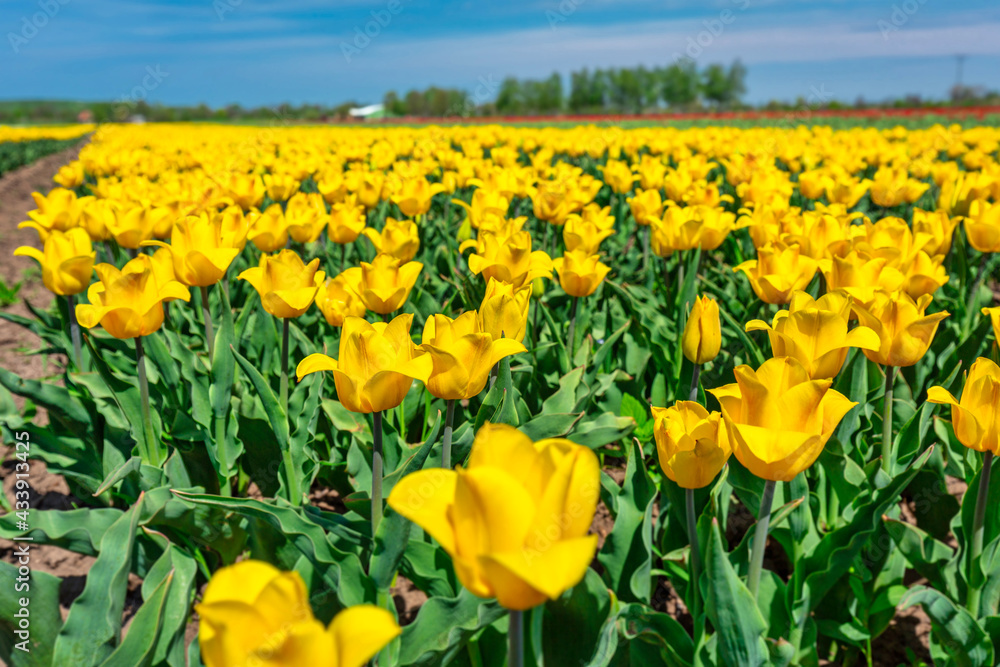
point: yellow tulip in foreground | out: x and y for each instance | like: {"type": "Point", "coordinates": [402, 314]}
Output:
{"type": "Point", "coordinates": [384, 285]}
{"type": "Point", "coordinates": [580, 273]}
{"type": "Point", "coordinates": [778, 419]}
{"type": "Point", "coordinates": [702, 338]}
{"type": "Point", "coordinates": [67, 260]}
{"type": "Point", "coordinates": [463, 355]}
{"type": "Point", "coordinates": [399, 238]}
{"type": "Point", "coordinates": [816, 333]}
{"type": "Point", "coordinates": [976, 418]}
{"type": "Point", "coordinates": [904, 331]}
{"type": "Point", "coordinates": [129, 303]}
{"type": "Point", "coordinates": [254, 614]}
{"type": "Point", "coordinates": [504, 310]}
{"type": "Point", "coordinates": [778, 271]}
{"type": "Point", "coordinates": [514, 521]}
{"type": "Point", "coordinates": [202, 249]}
{"type": "Point", "coordinates": [691, 443]}
{"type": "Point", "coordinates": [378, 363]}
{"type": "Point", "coordinates": [286, 285]}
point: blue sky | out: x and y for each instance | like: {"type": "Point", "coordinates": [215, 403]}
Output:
{"type": "Point", "coordinates": [258, 52]}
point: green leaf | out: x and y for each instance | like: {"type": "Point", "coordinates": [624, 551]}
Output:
{"type": "Point", "coordinates": [668, 642]}
{"type": "Point", "coordinates": [605, 429]}
{"type": "Point", "coordinates": [136, 650]}
{"type": "Point", "coordinates": [731, 608]}
{"type": "Point", "coordinates": [57, 400]}
{"type": "Point", "coordinates": [79, 531]}
{"type": "Point", "coordinates": [926, 555]}
{"type": "Point", "coordinates": [443, 627]}
{"type": "Point", "coordinates": [42, 591]}
{"type": "Point", "coordinates": [965, 642]}
{"type": "Point", "coordinates": [571, 624]}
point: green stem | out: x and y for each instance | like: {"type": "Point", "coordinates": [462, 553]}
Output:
{"type": "Point", "coordinates": [284, 365]}
{"type": "Point", "coordinates": [572, 328]}
{"type": "Point", "coordinates": [887, 454]}
{"type": "Point", "coordinates": [222, 451]}
{"type": "Point", "coordinates": [209, 329]}
{"type": "Point", "coordinates": [74, 333]}
{"type": "Point", "coordinates": [760, 538]}
{"type": "Point", "coordinates": [976, 548]}
{"type": "Point", "coordinates": [692, 527]}
{"type": "Point", "coordinates": [515, 637]}
{"type": "Point", "coordinates": [376, 472]}
{"type": "Point", "coordinates": [446, 449]}
{"type": "Point", "coordinates": [149, 452]}
{"type": "Point", "coordinates": [694, 382]}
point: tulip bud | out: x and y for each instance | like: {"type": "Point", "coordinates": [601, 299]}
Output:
{"type": "Point", "coordinates": [702, 338]}
{"type": "Point", "coordinates": [398, 238]}
{"type": "Point", "coordinates": [976, 418]}
{"type": "Point", "coordinates": [580, 273]}
{"type": "Point", "coordinates": [504, 310]}
{"type": "Point", "coordinates": [691, 444]}
{"type": "Point", "coordinates": [385, 284]}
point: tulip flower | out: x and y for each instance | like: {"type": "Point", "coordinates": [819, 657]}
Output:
{"type": "Point", "coordinates": [463, 355]}
{"type": "Point", "coordinates": [580, 273]}
{"type": "Point", "coordinates": [347, 220]}
{"type": "Point", "coordinates": [398, 238]}
{"type": "Point", "coordinates": [702, 337]}
{"type": "Point", "coordinates": [934, 229]}
{"type": "Point", "coordinates": [904, 331]}
{"type": "Point", "coordinates": [515, 521]}
{"type": "Point", "coordinates": [67, 260]}
{"type": "Point", "coordinates": [777, 422]}
{"type": "Point", "coordinates": [280, 187]}
{"type": "Point", "coordinates": [982, 226]}
{"type": "Point", "coordinates": [778, 271]}
{"type": "Point", "coordinates": [60, 210]}
{"type": "Point", "coordinates": [691, 444]}
{"type": "Point", "coordinates": [367, 186]}
{"type": "Point", "coordinates": [305, 217]}
{"type": "Point", "coordinates": [268, 230]}
{"type": "Point", "coordinates": [286, 285]}
{"type": "Point", "coordinates": [202, 250]}
{"type": "Point", "coordinates": [244, 190]}
{"type": "Point", "coordinates": [332, 185]}
{"type": "Point", "coordinates": [504, 310]}
{"type": "Point", "coordinates": [976, 422]}
{"type": "Point", "coordinates": [376, 367]}
{"type": "Point", "coordinates": [384, 285]}
{"type": "Point", "coordinates": [414, 198]}
{"type": "Point", "coordinates": [646, 204]}
{"type": "Point", "coordinates": [511, 261]}
{"type": "Point", "coordinates": [816, 333]}
{"type": "Point", "coordinates": [339, 299]}
{"type": "Point", "coordinates": [618, 176]}
{"type": "Point", "coordinates": [693, 227]}
{"type": "Point", "coordinates": [70, 175]}
{"type": "Point", "coordinates": [486, 205]}
{"type": "Point", "coordinates": [139, 224]}
{"type": "Point", "coordinates": [580, 234]}
{"type": "Point", "coordinates": [253, 613]}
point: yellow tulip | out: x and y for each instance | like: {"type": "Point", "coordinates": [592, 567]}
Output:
{"type": "Point", "coordinates": [286, 285]}
{"type": "Point", "coordinates": [414, 198]}
{"type": "Point", "coordinates": [138, 224]}
{"type": "Point", "coordinates": [976, 418]}
{"type": "Point", "coordinates": [254, 614]}
{"type": "Point", "coordinates": [70, 175]}
{"type": "Point", "coordinates": [333, 186]}
{"type": "Point", "coordinates": [95, 218]}
{"type": "Point", "coordinates": [816, 333]}
{"type": "Point", "coordinates": [463, 355]}
{"type": "Point", "coordinates": [67, 260]}
{"type": "Point", "coordinates": [580, 273]}
{"type": "Point", "coordinates": [691, 444]}
{"type": "Point", "coordinates": [398, 238]}
{"type": "Point", "coordinates": [510, 260]}
{"type": "Point", "coordinates": [515, 521]}
{"type": "Point", "coordinates": [280, 187]}
{"type": "Point", "coordinates": [994, 315]}
{"type": "Point", "coordinates": [244, 190]}
{"type": "Point", "coordinates": [504, 310]}
{"type": "Point", "coordinates": [580, 234]}
{"type": "Point", "coordinates": [778, 271]}
{"type": "Point", "coordinates": [305, 216]}
{"type": "Point", "coordinates": [60, 210]}
{"type": "Point", "coordinates": [645, 205]}
{"type": "Point", "coordinates": [486, 204]}
{"type": "Point", "coordinates": [268, 230]}
{"type": "Point", "coordinates": [935, 229]}
{"type": "Point", "coordinates": [702, 338]}
{"type": "Point", "coordinates": [129, 303]}
{"type": "Point", "coordinates": [384, 285]}
{"type": "Point", "coordinates": [691, 227]}
{"type": "Point", "coordinates": [618, 176]}
{"type": "Point", "coordinates": [904, 331]}
{"type": "Point", "coordinates": [347, 220]}
{"type": "Point", "coordinates": [777, 419]}
{"type": "Point", "coordinates": [860, 275]}
{"type": "Point", "coordinates": [377, 365]}
{"type": "Point", "coordinates": [983, 226]}
{"type": "Point", "coordinates": [339, 299]}
{"type": "Point", "coordinates": [202, 250]}
{"type": "Point", "coordinates": [367, 185]}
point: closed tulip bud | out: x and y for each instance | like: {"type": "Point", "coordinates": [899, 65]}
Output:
{"type": "Point", "coordinates": [463, 355]}
{"type": "Point", "coordinates": [983, 226]}
{"type": "Point", "coordinates": [286, 285]}
{"type": "Point", "coordinates": [339, 299]}
{"type": "Point", "coordinates": [129, 303]}
{"type": "Point", "coordinates": [514, 521]}
{"type": "Point", "coordinates": [778, 271]}
{"type": "Point", "coordinates": [398, 238]}
{"type": "Point", "coordinates": [280, 187]}
{"type": "Point", "coordinates": [994, 315]}
{"type": "Point", "coordinates": [414, 198]}
{"type": "Point", "coordinates": [904, 331]}
{"type": "Point", "coordinates": [504, 310]}
{"type": "Point", "coordinates": [60, 210]}
{"type": "Point", "coordinates": [580, 273]}
{"type": "Point", "coordinates": [646, 204]}
{"type": "Point", "coordinates": [385, 284]}
{"type": "Point", "coordinates": [67, 260]}
{"type": "Point", "coordinates": [618, 176]}
{"type": "Point", "coordinates": [777, 419]}
{"type": "Point", "coordinates": [377, 365]}
{"type": "Point", "coordinates": [691, 443]}
{"type": "Point", "coordinates": [253, 613]}
{"type": "Point", "coordinates": [976, 418]}
{"type": "Point", "coordinates": [816, 333]}
{"type": "Point", "coordinates": [510, 260]}
{"type": "Point", "coordinates": [268, 230]}
{"type": "Point", "coordinates": [347, 221]}
{"type": "Point", "coordinates": [201, 250]}
{"type": "Point", "coordinates": [703, 332]}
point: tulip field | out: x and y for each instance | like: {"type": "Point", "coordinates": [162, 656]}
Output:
{"type": "Point", "coordinates": [590, 396]}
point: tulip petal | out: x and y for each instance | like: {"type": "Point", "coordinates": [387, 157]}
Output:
{"type": "Point", "coordinates": [550, 572]}
{"type": "Point", "coordinates": [30, 251]}
{"type": "Point", "coordinates": [424, 497]}
{"type": "Point", "coordinates": [360, 632]}
{"type": "Point", "coordinates": [864, 338]}
{"type": "Point", "coordinates": [313, 364]}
